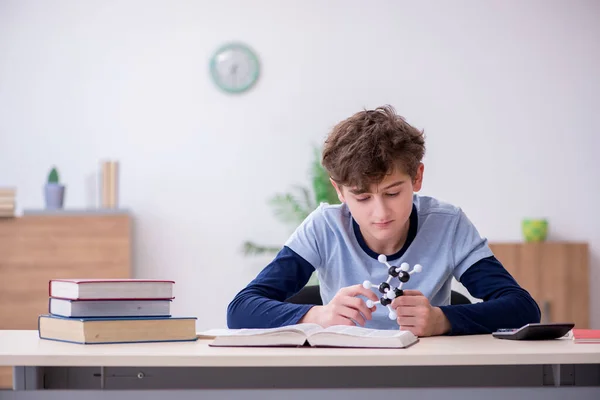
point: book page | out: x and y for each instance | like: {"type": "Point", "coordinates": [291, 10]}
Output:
{"type": "Point", "coordinates": [365, 332]}
{"type": "Point", "coordinates": [357, 336]}
{"type": "Point", "coordinates": [306, 329]}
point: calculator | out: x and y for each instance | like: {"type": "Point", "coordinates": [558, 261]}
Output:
{"type": "Point", "coordinates": [536, 331]}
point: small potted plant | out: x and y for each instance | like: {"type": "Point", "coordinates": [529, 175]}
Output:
{"type": "Point", "coordinates": [54, 191]}
{"type": "Point", "coordinates": [534, 229]}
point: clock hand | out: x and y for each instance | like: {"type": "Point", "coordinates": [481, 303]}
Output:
{"type": "Point", "coordinates": [234, 69]}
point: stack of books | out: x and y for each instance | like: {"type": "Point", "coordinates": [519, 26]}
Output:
{"type": "Point", "coordinates": [7, 202]}
{"type": "Point", "coordinates": [94, 311]}
{"type": "Point", "coordinates": [586, 335]}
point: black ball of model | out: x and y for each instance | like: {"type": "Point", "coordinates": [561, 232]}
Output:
{"type": "Point", "coordinates": [404, 276]}
{"type": "Point", "coordinates": [384, 301]}
{"type": "Point", "coordinates": [384, 287]}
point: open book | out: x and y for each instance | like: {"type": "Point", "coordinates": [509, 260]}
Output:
{"type": "Point", "coordinates": [310, 335]}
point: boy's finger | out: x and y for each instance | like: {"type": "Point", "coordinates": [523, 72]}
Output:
{"type": "Point", "coordinates": [356, 290]}
{"type": "Point", "coordinates": [408, 301]}
{"type": "Point", "coordinates": [412, 292]}
{"type": "Point", "coordinates": [360, 305]}
{"type": "Point", "coordinates": [406, 311]}
{"type": "Point", "coordinates": [356, 304]}
{"type": "Point", "coordinates": [407, 321]}
{"type": "Point", "coordinates": [341, 320]}
{"type": "Point", "coordinates": [352, 314]}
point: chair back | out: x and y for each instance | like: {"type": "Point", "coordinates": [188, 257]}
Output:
{"type": "Point", "coordinates": [311, 295]}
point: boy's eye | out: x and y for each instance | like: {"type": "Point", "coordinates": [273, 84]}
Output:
{"type": "Point", "coordinates": [393, 194]}
{"type": "Point", "coordinates": [362, 198]}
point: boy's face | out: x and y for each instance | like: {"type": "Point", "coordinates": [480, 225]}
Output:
{"type": "Point", "coordinates": [383, 211]}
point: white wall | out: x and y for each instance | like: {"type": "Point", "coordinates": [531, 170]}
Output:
{"type": "Point", "coordinates": [507, 92]}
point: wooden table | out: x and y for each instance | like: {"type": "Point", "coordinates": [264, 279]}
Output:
{"type": "Point", "coordinates": [463, 365]}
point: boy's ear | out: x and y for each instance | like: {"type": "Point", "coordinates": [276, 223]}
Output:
{"type": "Point", "coordinates": [418, 181]}
{"type": "Point", "coordinates": [338, 190]}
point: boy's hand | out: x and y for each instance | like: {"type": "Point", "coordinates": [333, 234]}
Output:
{"type": "Point", "coordinates": [344, 309]}
{"type": "Point", "coordinates": [417, 315]}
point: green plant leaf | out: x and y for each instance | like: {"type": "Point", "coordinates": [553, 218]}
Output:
{"type": "Point", "coordinates": [288, 208]}
{"type": "Point", "coordinates": [323, 189]}
{"type": "Point", "coordinates": [53, 176]}
{"type": "Point", "coordinates": [307, 201]}
{"type": "Point", "coordinates": [250, 248]}
{"type": "Point", "coordinates": [293, 207]}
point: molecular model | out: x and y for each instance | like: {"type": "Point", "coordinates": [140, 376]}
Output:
{"type": "Point", "coordinates": [390, 292]}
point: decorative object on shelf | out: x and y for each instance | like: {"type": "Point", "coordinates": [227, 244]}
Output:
{"type": "Point", "coordinates": [110, 172]}
{"type": "Point", "coordinates": [54, 191]}
{"type": "Point", "coordinates": [534, 230]}
{"type": "Point", "coordinates": [7, 202]}
{"type": "Point", "coordinates": [234, 68]}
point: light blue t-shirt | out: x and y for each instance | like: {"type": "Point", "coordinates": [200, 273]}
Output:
{"type": "Point", "coordinates": [446, 244]}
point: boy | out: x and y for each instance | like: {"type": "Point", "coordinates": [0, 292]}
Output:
{"type": "Point", "coordinates": [374, 161]}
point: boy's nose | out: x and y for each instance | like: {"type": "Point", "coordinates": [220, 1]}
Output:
{"type": "Point", "coordinates": [380, 211]}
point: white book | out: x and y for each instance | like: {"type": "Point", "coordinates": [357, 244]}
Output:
{"type": "Point", "coordinates": [109, 308]}
{"type": "Point", "coordinates": [111, 289]}
{"type": "Point", "coordinates": [310, 335]}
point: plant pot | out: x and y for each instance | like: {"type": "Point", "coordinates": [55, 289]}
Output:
{"type": "Point", "coordinates": [534, 230]}
{"type": "Point", "coordinates": [54, 194]}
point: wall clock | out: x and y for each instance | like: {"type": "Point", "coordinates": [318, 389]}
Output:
{"type": "Point", "coordinates": [234, 68]}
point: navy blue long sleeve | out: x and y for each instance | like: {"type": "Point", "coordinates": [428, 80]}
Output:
{"type": "Point", "coordinates": [505, 304]}
{"type": "Point", "coordinates": [261, 304]}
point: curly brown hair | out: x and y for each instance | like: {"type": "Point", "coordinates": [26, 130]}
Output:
{"type": "Point", "coordinates": [362, 149]}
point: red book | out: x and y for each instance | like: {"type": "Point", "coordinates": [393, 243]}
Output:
{"type": "Point", "coordinates": [586, 335]}
{"type": "Point", "coordinates": [111, 289]}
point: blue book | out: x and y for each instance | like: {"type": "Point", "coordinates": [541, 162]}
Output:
{"type": "Point", "coordinates": [116, 329]}
{"type": "Point", "coordinates": [109, 308]}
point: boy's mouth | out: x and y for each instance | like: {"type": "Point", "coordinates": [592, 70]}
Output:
{"type": "Point", "coordinates": [384, 224]}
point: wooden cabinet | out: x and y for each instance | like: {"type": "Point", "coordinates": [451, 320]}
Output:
{"type": "Point", "coordinates": [39, 247]}
{"type": "Point", "coordinates": [556, 274]}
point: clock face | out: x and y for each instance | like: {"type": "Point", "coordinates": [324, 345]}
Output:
{"type": "Point", "coordinates": [234, 68]}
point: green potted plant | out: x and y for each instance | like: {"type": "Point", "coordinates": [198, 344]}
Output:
{"type": "Point", "coordinates": [293, 207]}
{"type": "Point", "coordinates": [534, 229]}
{"type": "Point", "coordinates": [54, 191]}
